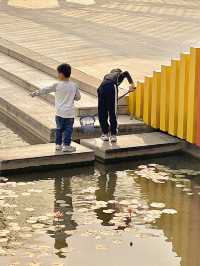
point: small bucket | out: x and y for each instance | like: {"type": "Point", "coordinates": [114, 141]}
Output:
{"type": "Point", "coordinates": [87, 124]}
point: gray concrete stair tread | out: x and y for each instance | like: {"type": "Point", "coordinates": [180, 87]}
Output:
{"type": "Point", "coordinates": [48, 65]}
{"type": "Point", "coordinates": [39, 79]}
{"type": "Point", "coordinates": [36, 108]}
{"type": "Point", "coordinates": [42, 155]}
{"type": "Point", "coordinates": [133, 145]}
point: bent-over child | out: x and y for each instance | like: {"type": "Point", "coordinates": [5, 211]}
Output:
{"type": "Point", "coordinates": [108, 100]}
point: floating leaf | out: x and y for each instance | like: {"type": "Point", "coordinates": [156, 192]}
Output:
{"type": "Point", "coordinates": [180, 186]}
{"type": "Point", "coordinates": [157, 205]}
{"type": "Point", "coordinates": [3, 240]}
{"type": "Point", "coordinates": [26, 194]}
{"type": "Point", "coordinates": [169, 211]}
{"type": "Point", "coordinates": [29, 209]}
{"type": "Point", "coordinates": [101, 247]}
{"type": "Point", "coordinates": [109, 211]}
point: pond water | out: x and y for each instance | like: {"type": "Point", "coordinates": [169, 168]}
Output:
{"type": "Point", "coordinates": [137, 213]}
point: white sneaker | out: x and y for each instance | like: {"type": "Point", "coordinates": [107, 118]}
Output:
{"type": "Point", "coordinates": [58, 147]}
{"type": "Point", "coordinates": [113, 138]}
{"type": "Point", "coordinates": [105, 137]}
{"type": "Point", "coordinates": [68, 149]}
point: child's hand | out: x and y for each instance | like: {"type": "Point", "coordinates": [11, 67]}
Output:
{"type": "Point", "coordinates": [34, 94]}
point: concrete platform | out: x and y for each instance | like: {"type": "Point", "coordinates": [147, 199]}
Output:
{"type": "Point", "coordinates": [42, 156]}
{"type": "Point", "coordinates": [136, 145]}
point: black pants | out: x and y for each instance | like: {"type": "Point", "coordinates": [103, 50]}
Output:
{"type": "Point", "coordinates": [107, 107]}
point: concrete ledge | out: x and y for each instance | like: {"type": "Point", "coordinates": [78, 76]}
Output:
{"type": "Point", "coordinates": [132, 146]}
{"type": "Point", "coordinates": [25, 121]}
{"type": "Point", "coordinates": [192, 149]}
{"type": "Point", "coordinates": [47, 65]}
{"type": "Point", "coordinates": [88, 83]}
{"type": "Point", "coordinates": [43, 155]}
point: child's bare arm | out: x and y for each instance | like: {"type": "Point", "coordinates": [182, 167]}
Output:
{"type": "Point", "coordinates": [45, 90]}
{"type": "Point", "coordinates": [78, 95]}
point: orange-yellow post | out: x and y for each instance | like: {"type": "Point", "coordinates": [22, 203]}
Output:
{"type": "Point", "coordinates": [131, 104]}
{"type": "Point", "coordinates": [173, 97]}
{"type": "Point", "coordinates": [183, 96]}
{"type": "Point", "coordinates": [192, 95]}
{"type": "Point", "coordinates": [164, 97]}
{"type": "Point", "coordinates": [155, 100]}
{"type": "Point", "coordinates": [147, 100]}
{"type": "Point", "coordinates": [139, 99]}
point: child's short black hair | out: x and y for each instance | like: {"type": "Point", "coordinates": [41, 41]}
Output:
{"type": "Point", "coordinates": [65, 69]}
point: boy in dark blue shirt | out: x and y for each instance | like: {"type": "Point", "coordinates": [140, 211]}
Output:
{"type": "Point", "coordinates": [107, 102]}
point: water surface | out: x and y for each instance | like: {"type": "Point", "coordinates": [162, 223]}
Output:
{"type": "Point", "coordinates": [138, 213]}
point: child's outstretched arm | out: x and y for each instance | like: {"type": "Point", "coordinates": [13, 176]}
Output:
{"type": "Point", "coordinates": [45, 90]}
{"type": "Point", "coordinates": [78, 94]}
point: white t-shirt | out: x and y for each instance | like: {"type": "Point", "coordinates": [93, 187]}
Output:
{"type": "Point", "coordinates": [66, 92]}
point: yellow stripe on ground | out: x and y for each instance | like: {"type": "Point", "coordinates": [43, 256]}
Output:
{"type": "Point", "coordinates": [33, 3]}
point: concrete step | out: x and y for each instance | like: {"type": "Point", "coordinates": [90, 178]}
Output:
{"type": "Point", "coordinates": [133, 146]}
{"type": "Point", "coordinates": [33, 79]}
{"type": "Point", "coordinates": [47, 65]}
{"type": "Point", "coordinates": [37, 157]}
{"type": "Point", "coordinates": [36, 116]}
{"type": "Point", "coordinates": [32, 114]}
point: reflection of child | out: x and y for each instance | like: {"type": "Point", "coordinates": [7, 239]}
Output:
{"type": "Point", "coordinates": [66, 92]}
{"type": "Point", "coordinates": [107, 102]}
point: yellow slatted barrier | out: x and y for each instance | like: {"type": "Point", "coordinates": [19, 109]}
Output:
{"type": "Point", "coordinates": [168, 100]}
{"type": "Point", "coordinates": [164, 97]}
{"type": "Point", "coordinates": [155, 100]}
{"type": "Point", "coordinates": [183, 95]}
{"type": "Point", "coordinates": [192, 95]}
{"type": "Point", "coordinates": [173, 97]}
{"type": "Point", "coordinates": [139, 99]}
{"type": "Point", "coordinates": [147, 100]}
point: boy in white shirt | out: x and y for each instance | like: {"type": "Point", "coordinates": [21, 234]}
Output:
{"type": "Point", "coordinates": [66, 92]}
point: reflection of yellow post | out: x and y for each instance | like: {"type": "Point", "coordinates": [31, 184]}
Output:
{"type": "Point", "coordinates": [131, 104]}
{"type": "Point", "coordinates": [155, 100]}
{"type": "Point", "coordinates": [164, 97]}
{"type": "Point", "coordinates": [139, 100]}
{"type": "Point", "coordinates": [173, 97]}
{"type": "Point", "coordinates": [183, 95]}
{"type": "Point", "coordinates": [192, 94]}
{"type": "Point", "coordinates": [147, 100]}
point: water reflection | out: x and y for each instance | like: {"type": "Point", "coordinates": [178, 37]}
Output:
{"type": "Point", "coordinates": [106, 188]}
{"type": "Point", "coordinates": [96, 227]}
{"type": "Point", "coordinates": [63, 205]}
{"type": "Point", "coordinates": [183, 229]}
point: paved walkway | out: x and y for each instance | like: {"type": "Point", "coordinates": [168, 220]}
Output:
{"type": "Point", "coordinates": [97, 35]}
